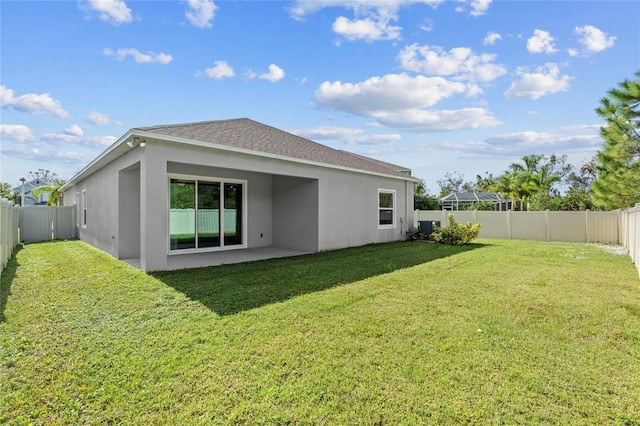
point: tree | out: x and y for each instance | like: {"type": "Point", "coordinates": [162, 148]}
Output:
{"type": "Point", "coordinates": [485, 184]}
{"type": "Point", "coordinates": [534, 180]}
{"type": "Point", "coordinates": [55, 196]}
{"type": "Point", "coordinates": [618, 163]}
{"type": "Point", "coordinates": [453, 182]}
{"type": "Point", "coordinates": [422, 200]}
{"type": "Point", "coordinates": [6, 192]}
{"type": "Point", "coordinates": [508, 184]}
{"type": "Point", "coordinates": [45, 176]}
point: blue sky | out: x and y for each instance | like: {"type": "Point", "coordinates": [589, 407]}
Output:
{"type": "Point", "coordinates": [437, 86]}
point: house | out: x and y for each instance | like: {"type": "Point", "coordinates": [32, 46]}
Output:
{"type": "Point", "coordinates": [466, 200]}
{"type": "Point", "coordinates": [29, 187]}
{"type": "Point", "coordinates": [208, 193]}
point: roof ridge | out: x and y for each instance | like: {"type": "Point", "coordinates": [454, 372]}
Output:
{"type": "Point", "coordinates": [248, 134]}
{"type": "Point", "coordinates": [194, 123]}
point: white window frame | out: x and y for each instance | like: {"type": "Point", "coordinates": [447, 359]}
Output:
{"type": "Point", "coordinates": [209, 179]}
{"type": "Point", "coordinates": [83, 209]}
{"type": "Point", "coordinates": [393, 208]}
{"type": "Point", "coordinates": [78, 210]}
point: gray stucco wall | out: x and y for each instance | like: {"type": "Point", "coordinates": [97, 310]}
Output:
{"type": "Point", "coordinates": [295, 213]}
{"type": "Point", "coordinates": [102, 193]}
{"type": "Point", "coordinates": [289, 205]}
{"type": "Point", "coordinates": [129, 213]}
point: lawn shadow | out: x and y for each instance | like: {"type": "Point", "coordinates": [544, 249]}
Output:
{"type": "Point", "coordinates": [229, 289]}
{"type": "Point", "coordinates": [6, 280]}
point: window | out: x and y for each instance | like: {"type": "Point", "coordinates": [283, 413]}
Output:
{"type": "Point", "coordinates": [205, 214]}
{"type": "Point", "coordinates": [83, 209]}
{"type": "Point", "coordinates": [386, 208]}
{"type": "Point", "coordinates": [78, 209]}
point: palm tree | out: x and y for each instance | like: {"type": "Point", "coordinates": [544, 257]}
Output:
{"type": "Point", "coordinates": [508, 184]}
{"type": "Point", "coordinates": [55, 196]}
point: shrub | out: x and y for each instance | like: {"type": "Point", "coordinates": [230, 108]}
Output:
{"type": "Point", "coordinates": [455, 233]}
{"type": "Point", "coordinates": [415, 234]}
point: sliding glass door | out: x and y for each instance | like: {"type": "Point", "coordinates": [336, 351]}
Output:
{"type": "Point", "coordinates": [205, 214]}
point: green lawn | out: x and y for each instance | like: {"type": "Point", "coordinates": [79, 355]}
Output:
{"type": "Point", "coordinates": [498, 332]}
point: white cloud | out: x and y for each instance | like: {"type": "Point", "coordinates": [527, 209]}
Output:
{"type": "Point", "coordinates": [302, 8]}
{"type": "Point", "coordinates": [366, 29]}
{"type": "Point", "coordinates": [139, 57]}
{"type": "Point", "coordinates": [16, 132]}
{"type": "Point", "coordinates": [328, 132]}
{"type": "Point", "coordinates": [393, 92]}
{"type": "Point", "coordinates": [530, 141]}
{"type": "Point", "coordinates": [200, 12]}
{"type": "Point", "coordinates": [46, 155]}
{"type": "Point", "coordinates": [379, 139]}
{"type": "Point", "coordinates": [459, 61]}
{"type": "Point", "coordinates": [544, 81]}
{"type": "Point", "coordinates": [221, 70]}
{"type": "Point", "coordinates": [275, 74]}
{"type": "Point", "coordinates": [479, 7]}
{"type": "Point", "coordinates": [541, 42]}
{"type": "Point", "coordinates": [100, 119]}
{"type": "Point", "coordinates": [32, 103]}
{"type": "Point", "coordinates": [581, 140]}
{"type": "Point", "coordinates": [427, 26]}
{"type": "Point", "coordinates": [588, 128]}
{"type": "Point", "coordinates": [74, 130]}
{"type": "Point", "coordinates": [420, 120]}
{"type": "Point", "coordinates": [25, 152]}
{"type": "Point", "coordinates": [347, 135]}
{"type": "Point", "coordinates": [90, 141]}
{"type": "Point", "coordinates": [491, 38]}
{"type": "Point", "coordinates": [572, 52]}
{"type": "Point", "coordinates": [111, 11]}
{"type": "Point", "coordinates": [71, 157]}
{"type": "Point", "coordinates": [399, 101]}
{"type": "Point", "coordinates": [594, 39]}
{"type": "Point", "coordinates": [371, 20]}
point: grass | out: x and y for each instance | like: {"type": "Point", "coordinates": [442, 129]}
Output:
{"type": "Point", "coordinates": [499, 332]}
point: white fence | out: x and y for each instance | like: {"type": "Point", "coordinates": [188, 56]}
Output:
{"type": "Point", "coordinates": [183, 221]}
{"type": "Point", "coordinates": [631, 238]}
{"type": "Point", "coordinates": [9, 235]}
{"type": "Point", "coordinates": [611, 227]}
{"type": "Point", "coordinates": [40, 223]}
{"type": "Point", "coordinates": [30, 224]}
{"type": "Point", "coordinates": [37, 223]}
{"type": "Point", "coordinates": [583, 226]}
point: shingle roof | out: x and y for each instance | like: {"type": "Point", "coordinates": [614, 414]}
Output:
{"type": "Point", "coordinates": [247, 134]}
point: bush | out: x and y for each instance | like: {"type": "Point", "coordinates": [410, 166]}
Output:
{"type": "Point", "coordinates": [455, 233]}
{"type": "Point", "coordinates": [415, 234]}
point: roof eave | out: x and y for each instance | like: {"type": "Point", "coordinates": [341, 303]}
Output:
{"type": "Point", "coordinates": [210, 145]}
{"type": "Point", "coordinates": [108, 155]}
{"type": "Point", "coordinates": [113, 152]}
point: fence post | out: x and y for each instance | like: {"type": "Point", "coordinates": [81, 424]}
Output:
{"type": "Point", "coordinates": [586, 224]}
{"type": "Point", "coordinates": [52, 220]}
{"type": "Point", "coordinates": [509, 224]}
{"type": "Point", "coordinates": [636, 237]}
{"type": "Point", "coordinates": [546, 225]}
